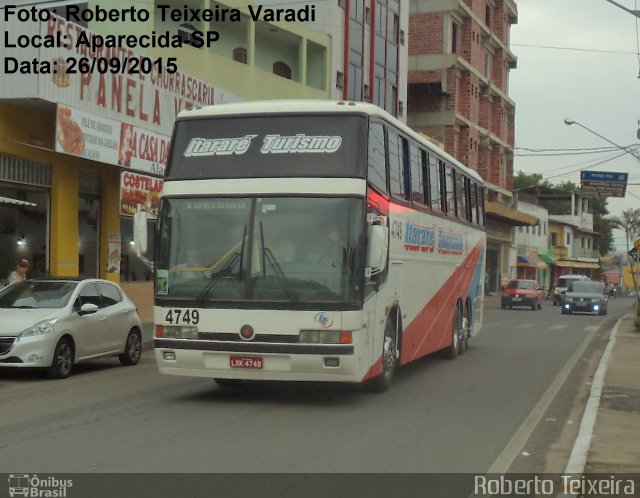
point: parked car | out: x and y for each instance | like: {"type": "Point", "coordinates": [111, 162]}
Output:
{"type": "Point", "coordinates": [521, 292]}
{"type": "Point", "coordinates": [585, 297]}
{"type": "Point", "coordinates": [563, 284]}
{"type": "Point", "coordinates": [54, 324]}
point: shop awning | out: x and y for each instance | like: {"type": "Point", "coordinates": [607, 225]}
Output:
{"type": "Point", "coordinates": [15, 202]}
{"type": "Point", "coordinates": [577, 264]}
{"type": "Point", "coordinates": [547, 259]}
{"type": "Point", "coordinates": [509, 215]}
{"type": "Point", "coordinates": [531, 262]}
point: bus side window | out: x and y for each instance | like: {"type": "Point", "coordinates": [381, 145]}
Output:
{"type": "Point", "coordinates": [473, 202]}
{"type": "Point", "coordinates": [481, 215]}
{"type": "Point", "coordinates": [434, 183]}
{"type": "Point", "coordinates": [396, 166]}
{"type": "Point", "coordinates": [450, 199]}
{"type": "Point", "coordinates": [461, 195]}
{"type": "Point", "coordinates": [417, 182]}
{"type": "Point", "coordinates": [376, 163]}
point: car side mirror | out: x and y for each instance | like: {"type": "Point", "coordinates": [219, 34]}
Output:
{"type": "Point", "coordinates": [88, 308]}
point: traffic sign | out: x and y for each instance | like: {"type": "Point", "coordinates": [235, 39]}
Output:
{"type": "Point", "coordinates": [603, 184]}
{"type": "Point", "coordinates": [637, 244]}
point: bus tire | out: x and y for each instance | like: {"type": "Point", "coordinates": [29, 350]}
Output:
{"type": "Point", "coordinates": [467, 325]}
{"type": "Point", "coordinates": [452, 352]}
{"type": "Point", "coordinates": [383, 381]}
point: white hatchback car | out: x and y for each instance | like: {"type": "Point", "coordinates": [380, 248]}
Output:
{"type": "Point", "coordinates": [54, 324]}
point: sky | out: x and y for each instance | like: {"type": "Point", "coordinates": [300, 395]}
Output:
{"type": "Point", "coordinates": [597, 85]}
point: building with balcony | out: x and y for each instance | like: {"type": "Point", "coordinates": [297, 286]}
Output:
{"type": "Point", "coordinates": [532, 242]}
{"type": "Point", "coordinates": [458, 93]}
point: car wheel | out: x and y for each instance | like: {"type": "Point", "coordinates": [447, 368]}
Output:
{"type": "Point", "coordinates": [63, 359]}
{"type": "Point", "coordinates": [383, 381]}
{"type": "Point", "coordinates": [132, 349]}
{"type": "Point", "coordinates": [539, 306]}
{"type": "Point", "coordinates": [534, 307]}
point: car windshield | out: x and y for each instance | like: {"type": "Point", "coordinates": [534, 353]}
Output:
{"type": "Point", "coordinates": [586, 287]}
{"type": "Point", "coordinates": [564, 282]}
{"type": "Point", "coordinates": [37, 295]}
{"type": "Point", "coordinates": [520, 284]}
{"type": "Point", "coordinates": [261, 250]}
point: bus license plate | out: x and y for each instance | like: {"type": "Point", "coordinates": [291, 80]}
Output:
{"type": "Point", "coordinates": [245, 362]}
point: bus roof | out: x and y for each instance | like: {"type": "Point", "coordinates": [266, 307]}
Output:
{"type": "Point", "coordinates": [320, 107]}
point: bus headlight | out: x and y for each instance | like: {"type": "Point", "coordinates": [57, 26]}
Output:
{"type": "Point", "coordinates": [326, 337]}
{"type": "Point", "coordinates": [173, 332]}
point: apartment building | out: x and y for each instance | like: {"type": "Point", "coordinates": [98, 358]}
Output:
{"type": "Point", "coordinates": [458, 93]}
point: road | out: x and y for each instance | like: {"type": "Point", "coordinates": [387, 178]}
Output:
{"type": "Point", "coordinates": [473, 414]}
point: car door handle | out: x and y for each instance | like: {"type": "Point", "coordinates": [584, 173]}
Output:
{"type": "Point", "coordinates": [103, 318]}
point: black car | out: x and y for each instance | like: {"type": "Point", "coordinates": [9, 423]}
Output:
{"type": "Point", "coordinates": [585, 297]}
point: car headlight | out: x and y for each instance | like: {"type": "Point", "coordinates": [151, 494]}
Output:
{"type": "Point", "coordinates": [43, 327]}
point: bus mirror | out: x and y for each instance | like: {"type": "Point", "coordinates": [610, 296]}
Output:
{"type": "Point", "coordinates": [140, 231]}
{"type": "Point", "coordinates": [377, 251]}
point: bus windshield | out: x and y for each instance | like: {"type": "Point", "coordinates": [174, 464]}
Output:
{"type": "Point", "coordinates": [296, 250]}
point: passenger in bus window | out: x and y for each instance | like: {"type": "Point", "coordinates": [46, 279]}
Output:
{"type": "Point", "coordinates": [193, 266]}
{"type": "Point", "coordinates": [329, 250]}
{"type": "Point", "coordinates": [283, 250]}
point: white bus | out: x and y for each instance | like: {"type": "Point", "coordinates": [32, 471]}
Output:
{"type": "Point", "coordinates": [313, 241]}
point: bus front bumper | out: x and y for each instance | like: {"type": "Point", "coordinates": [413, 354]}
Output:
{"type": "Point", "coordinates": [257, 361]}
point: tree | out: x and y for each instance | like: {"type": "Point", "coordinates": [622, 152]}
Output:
{"type": "Point", "coordinates": [562, 206]}
{"type": "Point", "coordinates": [630, 223]}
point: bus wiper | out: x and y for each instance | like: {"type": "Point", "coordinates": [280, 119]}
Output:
{"type": "Point", "coordinates": [218, 276]}
{"type": "Point", "coordinates": [280, 275]}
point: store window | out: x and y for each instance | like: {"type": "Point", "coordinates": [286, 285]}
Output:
{"type": "Point", "coordinates": [133, 268]}
{"type": "Point", "coordinates": [24, 229]}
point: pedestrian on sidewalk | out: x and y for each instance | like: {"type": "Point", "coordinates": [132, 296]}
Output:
{"type": "Point", "coordinates": [20, 273]}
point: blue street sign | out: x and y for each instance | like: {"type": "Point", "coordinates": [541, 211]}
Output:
{"type": "Point", "coordinates": [604, 176]}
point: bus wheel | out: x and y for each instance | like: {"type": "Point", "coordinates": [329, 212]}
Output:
{"type": "Point", "coordinates": [466, 327]}
{"type": "Point", "coordinates": [383, 381]}
{"type": "Point", "coordinates": [452, 352]}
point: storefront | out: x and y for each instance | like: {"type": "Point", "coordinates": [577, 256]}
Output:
{"type": "Point", "coordinates": [78, 155]}
{"type": "Point", "coordinates": [24, 214]}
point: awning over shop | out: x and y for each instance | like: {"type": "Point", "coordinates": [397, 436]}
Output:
{"type": "Point", "coordinates": [531, 262]}
{"type": "Point", "coordinates": [15, 202]}
{"type": "Point", "coordinates": [510, 215]}
{"type": "Point", "coordinates": [547, 259]}
{"type": "Point", "coordinates": [577, 264]}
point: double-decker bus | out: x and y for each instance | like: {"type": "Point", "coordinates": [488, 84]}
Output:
{"type": "Point", "coordinates": [313, 241]}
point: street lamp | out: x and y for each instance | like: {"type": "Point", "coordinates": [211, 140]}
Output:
{"type": "Point", "coordinates": [570, 122]}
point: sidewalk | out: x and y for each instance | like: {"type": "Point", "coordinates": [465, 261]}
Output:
{"type": "Point", "coordinates": [615, 445]}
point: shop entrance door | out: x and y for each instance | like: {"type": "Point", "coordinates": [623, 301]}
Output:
{"type": "Point", "coordinates": [89, 231]}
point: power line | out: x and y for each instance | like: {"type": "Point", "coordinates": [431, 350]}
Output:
{"type": "Point", "coordinates": [577, 49]}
